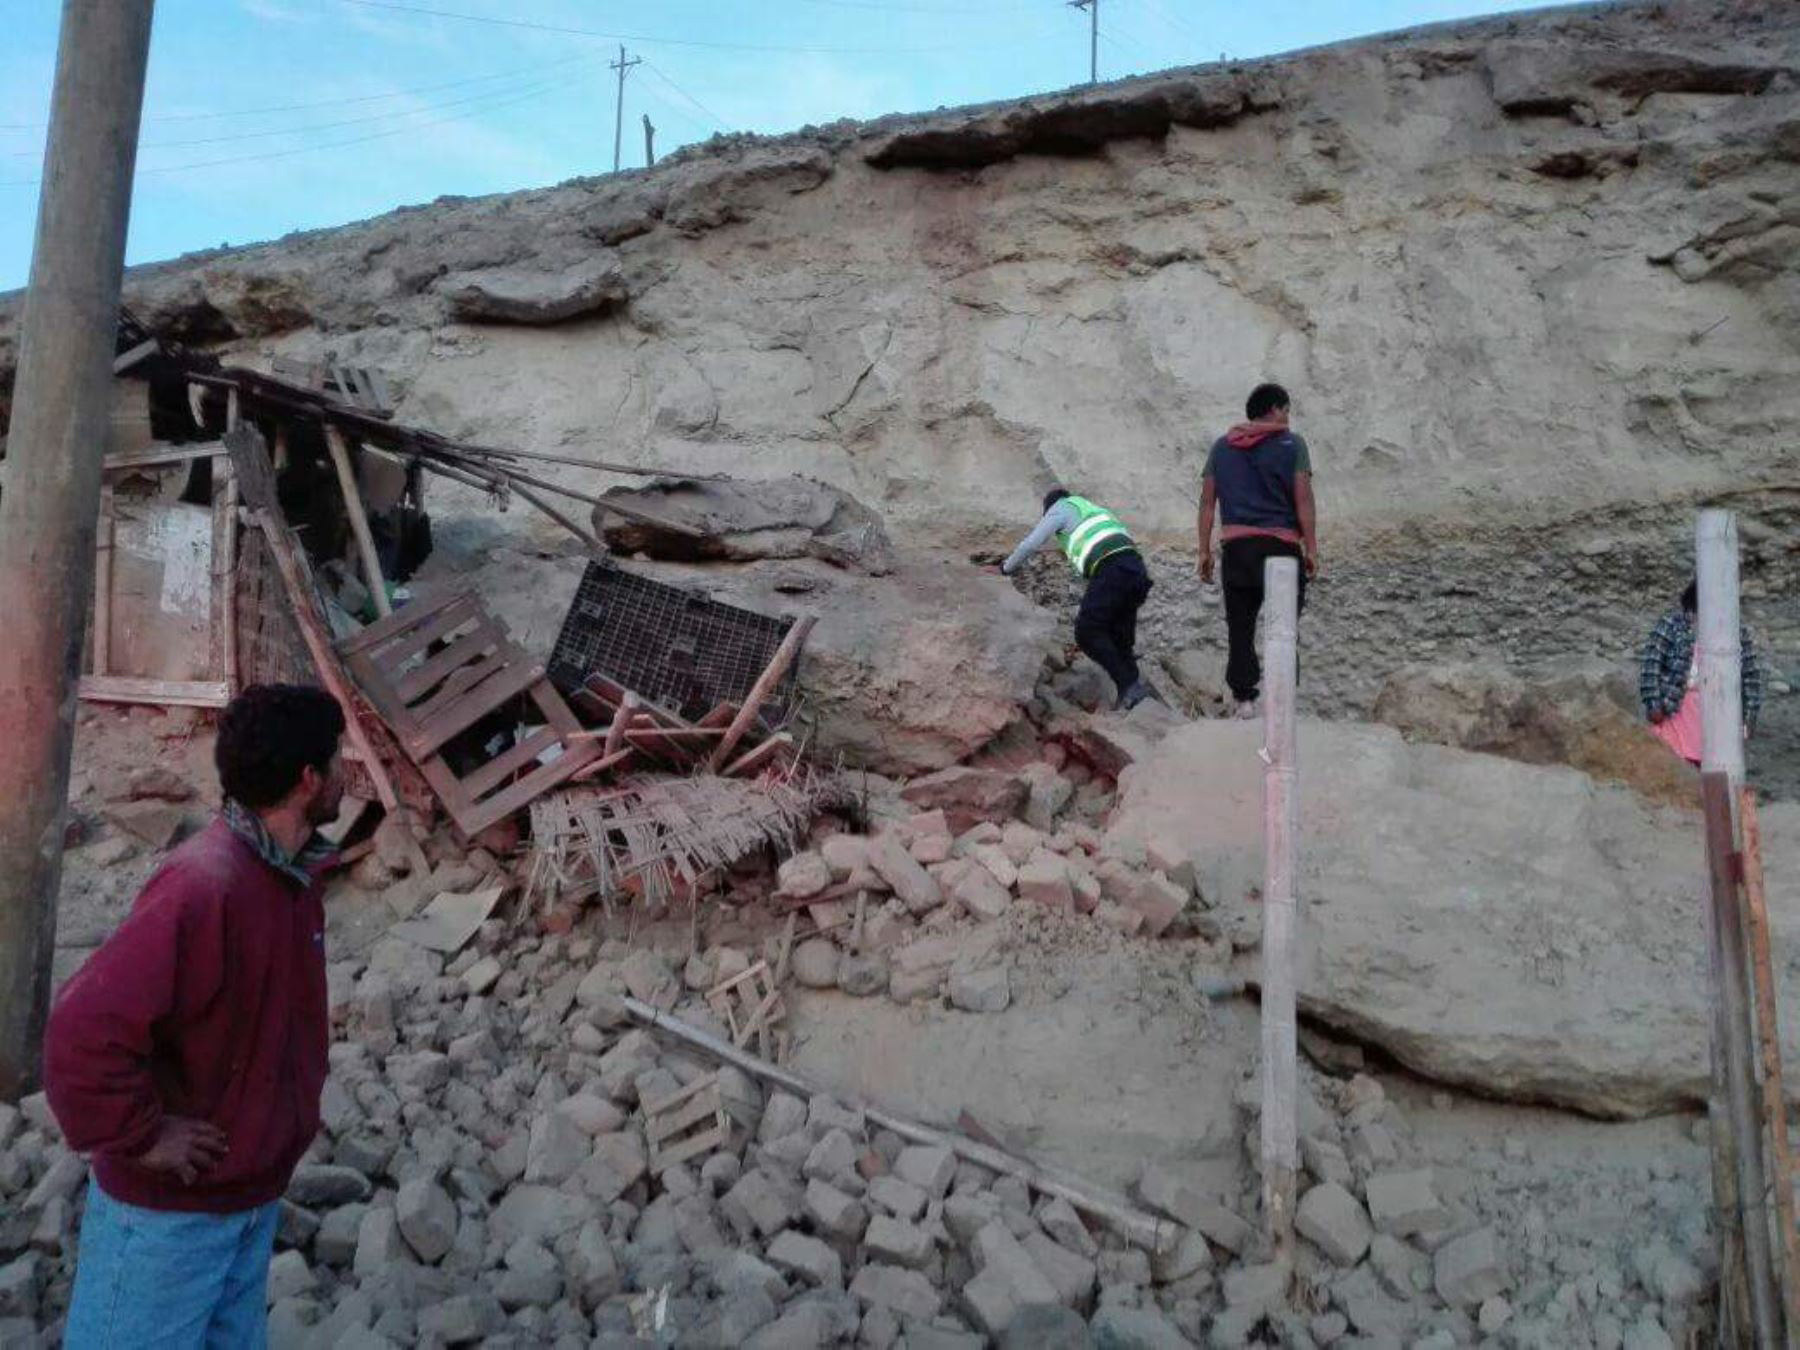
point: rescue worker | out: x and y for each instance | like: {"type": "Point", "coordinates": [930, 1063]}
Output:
{"type": "Point", "coordinates": [1100, 549]}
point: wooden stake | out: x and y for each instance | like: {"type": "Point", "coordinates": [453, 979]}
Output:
{"type": "Point", "coordinates": [1768, 1035]}
{"type": "Point", "coordinates": [1280, 1118]}
{"type": "Point", "coordinates": [300, 603]}
{"type": "Point", "coordinates": [1749, 1310]}
{"type": "Point", "coordinates": [778, 665]}
{"type": "Point", "coordinates": [622, 715]}
{"type": "Point", "coordinates": [103, 583]}
{"type": "Point", "coordinates": [1147, 1230]}
{"type": "Point", "coordinates": [359, 520]}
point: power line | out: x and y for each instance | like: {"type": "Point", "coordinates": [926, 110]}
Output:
{"type": "Point", "coordinates": [656, 70]}
{"type": "Point", "coordinates": [1167, 9]}
{"type": "Point", "coordinates": [321, 102]}
{"type": "Point", "coordinates": [658, 41]}
{"type": "Point", "coordinates": [344, 122]}
{"type": "Point", "coordinates": [309, 149]}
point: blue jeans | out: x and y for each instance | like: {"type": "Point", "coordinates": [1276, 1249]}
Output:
{"type": "Point", "coordinates": [154, 1278]}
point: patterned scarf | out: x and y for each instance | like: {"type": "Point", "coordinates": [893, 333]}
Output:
{"type": "Point", "coordinates": [248, 826]}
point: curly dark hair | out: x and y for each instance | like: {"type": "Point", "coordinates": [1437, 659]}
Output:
{"type": "Point", "coordinates": [1263, 400]}
{"type": "Point", "coordinates": [268, 734]}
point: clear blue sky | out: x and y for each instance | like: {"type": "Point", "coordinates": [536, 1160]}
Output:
{"type": "Point", "coordinates": [265, 116]}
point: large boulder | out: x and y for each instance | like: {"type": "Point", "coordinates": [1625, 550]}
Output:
{"type": "Point", "coordinates": [1514, 929]}
{"type": "Point", "coordinates": [904, 673]}
{"type": "Point", "coordinates": [534, 295]}
{"type": "Point", "coordinates": [1586, 719]}
{"type": "Point", "coordinates": [740, 520]}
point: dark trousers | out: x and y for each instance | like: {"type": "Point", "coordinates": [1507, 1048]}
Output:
{"type": "Point", "coordinates": [1106, 624]}
{"type": "Point", "coordinates": [1241, 577]}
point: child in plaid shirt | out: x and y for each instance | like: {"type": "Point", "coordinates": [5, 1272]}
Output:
{"type": "Point", "coordinates": [1668, 682]}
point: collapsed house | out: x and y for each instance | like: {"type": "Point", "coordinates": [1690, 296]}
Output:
{"type": "Point", "coordinates": [264, 526]}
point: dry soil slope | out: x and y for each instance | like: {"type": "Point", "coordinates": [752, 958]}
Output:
{"type": "Point", "coordinates": [1513, 268]}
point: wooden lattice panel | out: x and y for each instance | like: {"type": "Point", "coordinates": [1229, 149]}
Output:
{"type": "Point", "coordinates": [685, 1124]}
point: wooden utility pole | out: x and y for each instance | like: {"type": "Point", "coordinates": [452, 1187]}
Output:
{"type": "Point", "coordinates": [649, 142]}
{"type": "Point", "coordinates": [1749, 1308]}
{"type": "Point", "coordinates": [60, 424]}
{"type": "Point", "coordinates": [1093, 9]}
{"type": "Point", "coordinates": [622, 66]}
{"type": "Point", "coordinates": [1280, 1107]}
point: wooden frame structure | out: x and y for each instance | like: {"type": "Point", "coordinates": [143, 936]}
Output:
{"type": "Point", "coordinates": [439, 667]}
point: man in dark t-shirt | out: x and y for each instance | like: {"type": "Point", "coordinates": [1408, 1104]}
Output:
{"type": "Point", "coordinates": [1258, 476]}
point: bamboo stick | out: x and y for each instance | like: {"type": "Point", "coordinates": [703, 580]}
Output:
{"type": "Point", "coordinates": [359, 520]}
{"type": "Point", "coordinates": [1146, 1230]}
{"type": "Point", "coordinates": [1768, 1029]}
{"type": "Point", "coordinates": [765, 684]}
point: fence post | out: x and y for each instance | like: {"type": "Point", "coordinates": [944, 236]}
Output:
{"type": "Point", "coordinates": [1748, 1305]}
{"type": "Point", "coordinates": [1280, 1144]}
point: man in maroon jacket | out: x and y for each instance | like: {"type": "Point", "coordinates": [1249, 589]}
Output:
{"type": "Point", "coordinates": [188, 1054]}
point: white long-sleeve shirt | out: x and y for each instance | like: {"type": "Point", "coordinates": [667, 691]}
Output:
{"type": "Point", "coordinates": [1060, 517]}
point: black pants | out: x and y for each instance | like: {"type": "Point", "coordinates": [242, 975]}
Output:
{"type": "Point", "coordinates": [1241, 576]}
{"type": "Point", "coordinates": [1106, 625]}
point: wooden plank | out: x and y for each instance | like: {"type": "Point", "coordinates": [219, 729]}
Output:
{"type": "Point", "coordinates": [508, 762]}
{"type": "Point", "coordinates": [527, 790]}
{"type": "Point", "coordinates": [228, 570]}
{"type": "Point", "coordinates": [103, 582]}
{"type": "Point", "coordinates": [176, 693]}
{"type": "Point", "coordinates": [463, 649]}
{"type": "Point", "coordinates": [503, 685]}
{"type": "Point", "coordinates": [318, 642]}
{"type": "Point", "coordinates": [754, 759]}
{"type": "Point", "coordinates": [459, 682]}
{"type": "Point", "coordinates": [765, 684]}
{"type": "Point", "coordinates": [134, 356]}
{"type": "Point", "coordinates": [359, 520]}
{"type": "Point", "coordinates": [162, 455]}
{"type": "Point", "coordinates": [720, 716]}
{"type": "Point", "coordinates": [1280, 1051]}
{"type": "Point", "coordinates": [658, 1105]}
{"type": "Point", "coordinates": [400, 648]}
{"type": "Point", "coordinates": [704, 1142]}
{"type": "Point", "coordinates": [684, 1116]}
{"type": "Point", "coordinates": [601, 765]}
{"type": "Point", "coordinates": [423, 606]}
{"type": "Point", "coordinates": [615, 734]}
{"type": "Point", "coordinates": [1744, 1109]}
{"type": "Point", "coordinates": [1768, 1038]}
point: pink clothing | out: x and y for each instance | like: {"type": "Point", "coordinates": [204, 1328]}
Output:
{"type": "Point", "coordinates": [1681, 731]}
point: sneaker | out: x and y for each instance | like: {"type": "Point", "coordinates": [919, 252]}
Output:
{"type": "Point", "coordinates": [1138, 693]}
{"type": "Point", "coordinates": [1248, 709]}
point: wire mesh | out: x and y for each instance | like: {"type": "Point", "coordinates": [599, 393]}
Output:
{"type": "Point", "coordinates": [678, 649]}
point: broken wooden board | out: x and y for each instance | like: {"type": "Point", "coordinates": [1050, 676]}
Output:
{"type": "Point", "coordinates": [751, 1006]}
{"type": "Point", "coordinates": [450, 920]}
{"type": "Point", "coordinates": [686, 1123]}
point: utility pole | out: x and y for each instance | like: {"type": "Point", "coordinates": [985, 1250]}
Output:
{"type": "Point", "coordinates": [649, 141]}
{"type": "Point", "coordinates": [621, 65]}
{"type": "Point", "coordinates": [1093, 9]}
{"type": "Point", "coordinates": [60, 426]}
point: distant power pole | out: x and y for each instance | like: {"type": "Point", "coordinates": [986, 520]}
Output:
{"type": "Point", "coordinates": [1093, 9]}
{"type": "Point", "coordinates": [649, 141]}
{"type": "Point", "coordinates": [621, 65]}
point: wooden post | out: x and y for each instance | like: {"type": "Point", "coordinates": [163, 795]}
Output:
{"type": "Point", "coordinates": [59, 430]}
{"type": "Point", "coordinates": [1749, 1310]}
{"type": "Point", "coordinates": [301, 603]}
{"type": "Point", "coordinates": [765, 684]}
{"type": "Point", "coordinates": [622, 715]}
{"type": "Point", "coordinates": [103, 582]}
{"type": "Point", "coordinates": [1280, 1127]}
{"type": "Point", "coordinates": [1768, 1036]}
{"type": "Point", "coordinates": [359, 520]}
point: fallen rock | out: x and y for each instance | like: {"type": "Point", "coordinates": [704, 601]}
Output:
{"type": "Point", "coordinates": [427, 1218]}
{"type": "Point", "coordinates": [1576, 978]}
{"type": "Point", "coordinates": [156, 823]}
{"type": "Point", "coordinates": [802, 876]}
{"type": "Point", "coordinates": [968, 796]}
{"type": "Point", "coordinates": [1116, 1327]}
{"type": "Point", "coordinates": [534, 296]}
{"type": "Point", "coordinates": [1333, 1221]}
{"type": "Point", "coordinates": [987, 990]}
{"type": "Point", "coordinates": [895, 865]}
{"type": "Point", "coordinates": [815, 963]}
{"type": "Point", "coordinates": [1468, 1270]}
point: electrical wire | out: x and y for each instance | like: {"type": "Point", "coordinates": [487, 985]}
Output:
{"type": "Point", "coordinates": [1168, 10]}
{"type": "Point", "coordinates": [322, 102]}
{"type": "Point", "coordinates": [658, 41]}
{"type": "Point", "coordinates": [309, 149]}
{"type": "Point", "coordinates": [344, 122]}
{"type": "Point", "coordinates": [656, 70]}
